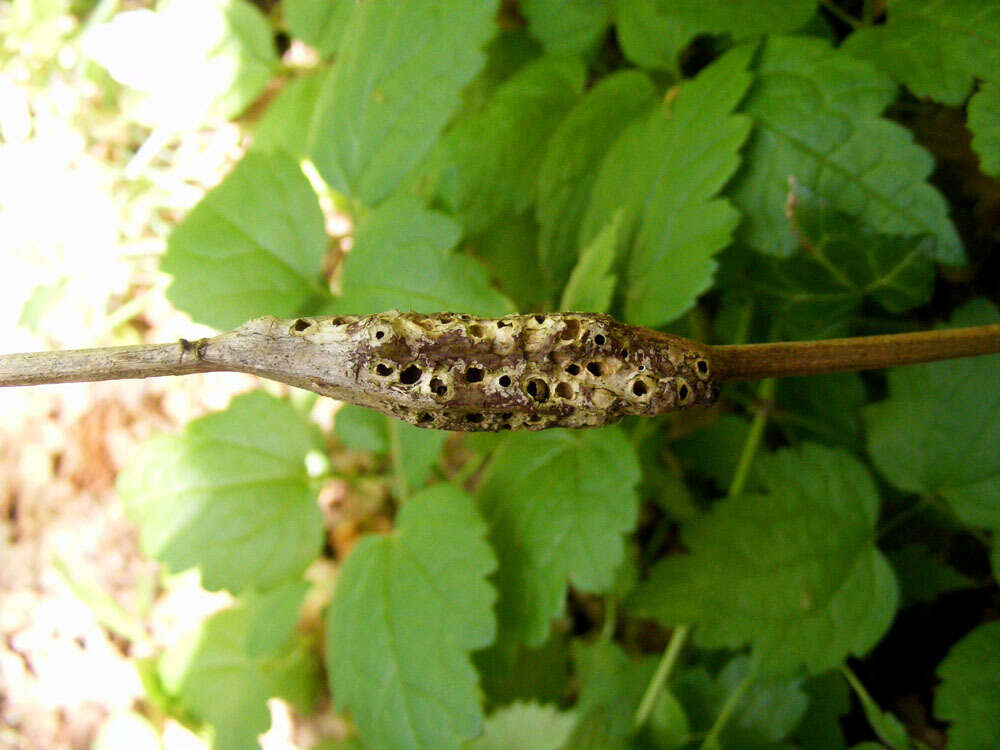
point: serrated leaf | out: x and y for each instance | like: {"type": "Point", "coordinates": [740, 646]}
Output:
{"type": "Point", "coordinates": [509, 248]}
{"type": "Point", "coordinates": [934, 48]}
{"type": "Point", "coordinates": [839, 266]}
{"type": "Point", "coordinates": [591, 285]}
{"type": "Point", "coordinates": [486, 163]}
{"type": "Point", "coordinates": [939, 430]}
{"type": "Point", "coordinates": [829, 699]}
{"type": "Point", "coordinates": [663, 172]}
{"type": "Point", "coordinates": [524, 725]}
{"type": "Point", "coordinates": [923, 577]}
{"type": "Point", "coordinates": [192, 58]}
{"type": "Point", "coordinates": [508, 51]}
{"type": "Point", "coordinates": [969, 694]}
{"type": "Point", "coordinates": [398, 79]}
{"type": "Point", "coordinates": [887, 726]}
{"type": "Point", "coordinates": [285, 124]}
{"type": "Point", "coordinates": [984, 122]}
{"type": "Point", "coordinates": [824, 408]}
{"type": "Point", "coordinates": [512, 672]}
{"type": "Point", "coordinates": [714, 450]}
{"type": "Point", "coordinates": [229, 497]}
{"type": "Point", "coordinates": [320, 23]}
{"type": "Point", "coordinates": [816, 118]}
{"type": "Point", "coordinates": [416, 449]}
{"type": "Point", "coordinates": [215, 678]}
{"type": "Point", "coordinates": [252, 246]}
{"type": "Point", "coordinates": [741, 18]}
{"type": "Point", "coordinates": [567, 27]}
{"type": "Point", "coordinates": [612, 683]}
{"type": "Point", "coordinates": [571, 161]}
{"type": "Point", "coordinates": [407, 611]}
{"type": "Point", "coordinates": [557, 503]}
{"type": "Point", "coordinates": [793, 570]}
{"type": "Point", "coordinates": [649, 36]}
{"type": "Point", "coordinates": [403, 258]}
{"type": "Point", "coordinates": [767, 712]}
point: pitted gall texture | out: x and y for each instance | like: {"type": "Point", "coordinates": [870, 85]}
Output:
{"type": "Point", "coordinates": [522, 372]}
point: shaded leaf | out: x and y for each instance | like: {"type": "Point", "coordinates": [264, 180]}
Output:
{"type": "Point", "coordinates": [252, 246]}
{"type": "Point", "coordinates": [934, 48]}
{"type": "Point", "coordinates": [417, 450]}
{"type": "Point", "coordinates": [228, 497]}
{"type": "Point", "coordinates": [984, 121]}
{"type": "Point", "coordinates": [217, 678]}
{"type": "Point", "coordinates": [815, 113]}
{"type": "Point", "coordinates": [557, 503]}
{"type": "Point", "coordinates": [592, 284]}
{"type": "Point", "coordinates": [923, 577]}
{"type": "Point", "coordinates": [570, 166]}
{"type": "Point", "coordinates": [841, 265]}
{"type": "Point", "coordinates": [403, 258]}
{"type": "Point", "coordinates": [509, 248]}
{"type": "Point", "coordinates": [939, 430]}
{"type": "Point", "coordinates": [663, 172]}
{"type": "Point", "coordinates": [829, 699]}
{"type": "Point", "coordinates": [487, 162]}
{"type": "Point", "coordinates": [512, 672]}
{"type": "Point", "coordinates": [567, 27]}
{"type": "Point", "coordinates": [824, 408]}
{"type": "Point", "coordinates": [650, 36]}
{"type": "Point", "coordinates": [285, 124]}
{"type": "Point", "coordinates": [969, 695]}
{"type": "Point", "coordinates": [612, 683]}
{"type": "Point", "coordinates": [400, 71]}
{"type": "Point", "coordinates": [794, 570]}
{"type": "Point", "coordinates": [524, 725]}
{"type": "Point", "coordinates": [407, 611]}
{"type": "Point", "coordinates": [362, 429]}
{"type": "Point", "coordinates": [741, 18]}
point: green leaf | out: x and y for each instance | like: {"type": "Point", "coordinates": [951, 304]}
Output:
{"type": "Point", "coordinates": [567, 27]}
{"type": "Point", "coordinates": [969, 695]}
{"type": "Point", "coordinates": [407, 611]}
{"type": "Point", "coordinates": [995, 558]}
{"type": "Point", "coordinates": [840, 266]}
{"type": "Point", "coordinates": [192, 58]}
{"type": "Point", "coordinates": [524, 725]}
{"type": "Point", "coordinates": [816, 111]}
{"type": "Point", "coordinates": [557, 503]}
{"type": "Point", "coordinates": [252, 246]}
{"type": "Point", "coordinates": [215, 677]}
{"type": "Point", "coordinates": [592, 284]}
{"type": "Point", "coordinates": [417, 450]}
{"type": "Point", "coordinates": [939, 430]}
{"type": "Point", "coordinates": [285, 124]}
{"type": "Point", "coordinates": [829, 699]}
{"type": "Point", "coordinates": [612, 683]}
{"type": "Point", "coordinates": [824, 408]}
{"type": "Point", "coordinates": [741, 18]}
{"type": "Point", "coordinates": [320, 23]}
{"type": "Point", "coordinates": [934, 48]}
{"type": "Point", "coordinates": [487, 163]}
{"type": "Point", "coordinates": [398, 79]}
{"type": "Point", "coordinates": [888, 728]}
{"type": "Point", "coordinates": [508, 51]}
{"type": "Point", "coordinates": [509, 248]}
{"type": "Point", "coordinates": [984, 122]}
{"type": "Point", "coordinates": [512, 672]}
{"type": "Point", "coordinates": [574, 151]}
{"type": "Point", "coordinates": [362, 429]}
{"type": "Point", "coordinates": [714, 450]}
{"type": "Point", "coordinates": [923, 577]}
{"type": "Point", "coordinates": [229, 497]}
{"type": "Point", "coordinates": [403, 259]}
{"type": "Point", "coordinates": [793, 570]}
{"type": "Point", "coordinates": [767, 712]}
{"type": "Point", "coordinates": [663, 171]}
{"type": "Point", "coordinates": [649, 36]}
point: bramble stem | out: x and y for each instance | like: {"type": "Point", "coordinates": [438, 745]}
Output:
{"type": "Point", "coordinates": [789, 358]}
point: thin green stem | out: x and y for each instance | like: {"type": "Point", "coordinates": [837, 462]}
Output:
{"type": "Point", "coordinates": [765, 392]}
{"type": "Point", "coordinates": [711, 740]}
{"type": "Point", "coordinates": [610, 618]}
{"type": "Point", "coordinates": [663, 670]}
{"type": "Point", "coordinates": [847, 18]}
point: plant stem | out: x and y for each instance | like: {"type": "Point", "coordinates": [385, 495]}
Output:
{"type": "Point", "coordinates": [610, 618]}
{"type": "Point", "coordinates": [836, 10]}
{"type": "Point", "coordinates": [765, 392]}
{"type": "Point", "coordinates": [663, 670]}
{"type": "Point", "coordinates": [711, 740]}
